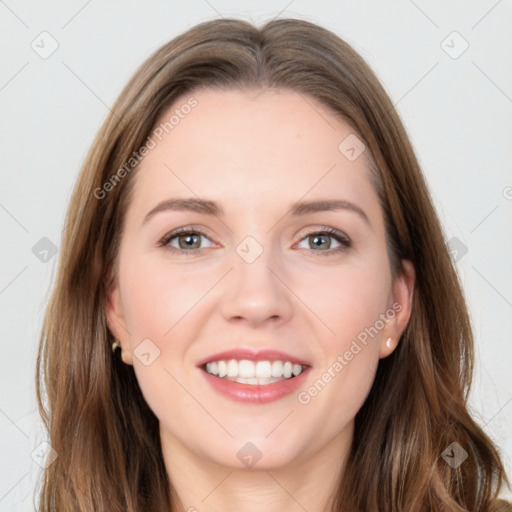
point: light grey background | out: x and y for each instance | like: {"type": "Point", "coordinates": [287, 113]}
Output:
{"type": "Point", "coordinates": [456, 108]}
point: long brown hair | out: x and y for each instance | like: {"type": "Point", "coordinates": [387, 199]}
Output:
{"type": "Point", "coordinates": [106, 436]}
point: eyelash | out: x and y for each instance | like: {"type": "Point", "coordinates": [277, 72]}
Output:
{"type": "Point", "coordinates": [339, 237]}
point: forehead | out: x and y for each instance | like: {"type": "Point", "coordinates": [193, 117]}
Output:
{"type": "Point", "coordinates": [252, 147]}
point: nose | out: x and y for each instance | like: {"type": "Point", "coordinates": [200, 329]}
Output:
{"type": "Point", "coordinates": [257, 292]}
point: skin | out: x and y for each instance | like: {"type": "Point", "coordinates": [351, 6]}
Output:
{"type": "Point", "coordinates": [255, 153]}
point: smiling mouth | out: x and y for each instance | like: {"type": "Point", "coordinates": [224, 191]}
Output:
{"type": "Point", "coordinates": [260, 373]}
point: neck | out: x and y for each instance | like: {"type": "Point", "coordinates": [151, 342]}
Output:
{"type": "Point", "coordinates": [199, 484]}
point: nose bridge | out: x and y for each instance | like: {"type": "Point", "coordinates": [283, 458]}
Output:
{"type": "Point", "coordinates": [254, 290]}
{"type": "Point", "coordinates": [254, 263]}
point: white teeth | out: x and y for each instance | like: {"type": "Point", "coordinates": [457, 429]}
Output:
{"type": "Point", "coordinates": [223, 369]}
{"type": "Point", "coordinates": [248, 372]}
{"type": "Point", "coordinates": [245, 369]}
{"type": "Point", "coordinates": [263, 369]}
{"type": "Point", "coordinates": [277, 368]}
{"type": "Point", "coordinates": [261, 381]}
{"type": "Point", "coordinates": [232, 368]}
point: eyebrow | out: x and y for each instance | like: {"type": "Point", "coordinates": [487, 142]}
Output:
{"type": "Point", "coordinates": [212, 208]}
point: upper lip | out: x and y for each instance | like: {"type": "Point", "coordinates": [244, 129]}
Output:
{"type": "Point", "coordinates": [253, 355]}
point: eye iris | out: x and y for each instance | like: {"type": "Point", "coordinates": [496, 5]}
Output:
{"type": "Point", "coordinates": [315, 238]}
{"type": "Point", "coordinates": [189, 239]}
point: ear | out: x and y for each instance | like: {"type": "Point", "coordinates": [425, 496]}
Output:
{"type": "Point", "coordinates": [402, 299]}
{"type": "Point", "coordinates": [116, 321]}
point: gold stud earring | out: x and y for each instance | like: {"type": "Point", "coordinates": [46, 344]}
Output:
{"type": "Point", "coordinates": [115, 346]}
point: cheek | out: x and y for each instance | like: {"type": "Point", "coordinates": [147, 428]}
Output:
{"type": "Point", "coordinates": [156, 296]}
{"type": "Point", "coordinates": [351, 304]}
{"type": "Point", "coordinates": [350, 300]}
{"type": "Point", "coordinates": [156, 300]}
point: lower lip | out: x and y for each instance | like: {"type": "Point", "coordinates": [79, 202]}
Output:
{"type": "Point", "coordinates": [257, 394]}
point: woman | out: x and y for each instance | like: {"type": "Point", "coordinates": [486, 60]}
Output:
{"type": "Point", "coordinates": [255, 307]}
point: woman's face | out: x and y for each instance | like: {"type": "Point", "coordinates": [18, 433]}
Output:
{"type": "Point", "coordinates": [255, 271]}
